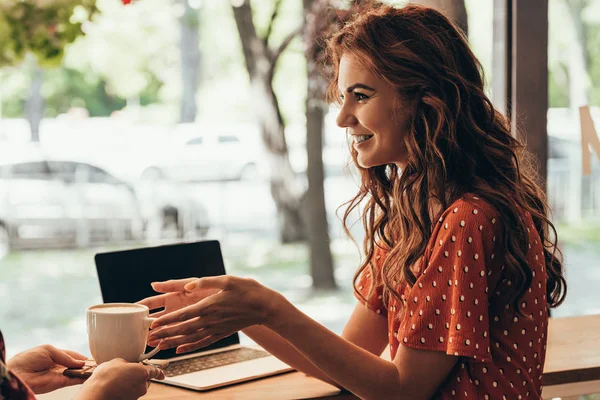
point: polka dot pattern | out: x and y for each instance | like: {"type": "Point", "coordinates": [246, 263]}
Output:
{"type": "Point", "coordinates": [456, 306]}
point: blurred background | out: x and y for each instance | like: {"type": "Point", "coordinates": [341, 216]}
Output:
{"type": "Point", "coordinates": [178, 120]}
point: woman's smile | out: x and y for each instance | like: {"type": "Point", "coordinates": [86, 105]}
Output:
{"type": "Point", "coordinates": [361, 138]}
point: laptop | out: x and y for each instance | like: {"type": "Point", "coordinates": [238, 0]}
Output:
{"type": "Point", "coordinates": [125, 276]}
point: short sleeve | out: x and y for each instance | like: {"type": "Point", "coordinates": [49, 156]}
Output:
{"type": "Point", "coordinates": [447, 308]}
{"type": "Point", "coordinates": [375, 301]}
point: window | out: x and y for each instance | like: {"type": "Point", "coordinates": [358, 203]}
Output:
{"type": "Point", "coordinates": [195, 141]}
{"type": "Point", "coordinates": [228, 139]}
{"type": "Point", "coordinates": [574, 81]}
{"type": "Point", "coordinates": [30, 170]}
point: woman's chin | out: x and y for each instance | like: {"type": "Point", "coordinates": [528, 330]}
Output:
{"type": "Point", "coordinates": [364, 162]}
{"type": "Point", "coordinates": [360, 160]}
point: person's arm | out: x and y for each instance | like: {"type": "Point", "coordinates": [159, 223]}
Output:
{"type": "Point", "coordinates": [447, 317]}
{"type": "Point", "coordinates": [41, 368]}
{"type": "Point", "coordinates": [365, 329]}
{"type": "Point", "coordinates": [241, 302]}
{"type": "Point", "coordinates": [413, 374]}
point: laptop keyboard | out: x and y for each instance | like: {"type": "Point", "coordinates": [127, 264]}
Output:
{"type": "Point", "coordinates": [195, 364]}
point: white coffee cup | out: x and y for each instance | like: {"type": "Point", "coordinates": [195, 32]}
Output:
{"type": "Point", "coordinates": [119, 330]}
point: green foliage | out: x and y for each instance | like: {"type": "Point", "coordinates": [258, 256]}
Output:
{"type": "Point", "coordinates": [132, 52]}
{"type": "Point", "coordinates": [593, 46]}
{"type": "Point", "coordinates": [66, 88]}
{"type": "Point", "coordinates": [558, 86]}
{"type": "Point", "coordinates": [40, 27]}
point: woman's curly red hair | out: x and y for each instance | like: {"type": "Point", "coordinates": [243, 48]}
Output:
{"type": "Point", "coordinates": [457, 143]}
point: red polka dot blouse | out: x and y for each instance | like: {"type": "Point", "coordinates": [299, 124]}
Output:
{"type": "Point", "coordinates": [455, 306]}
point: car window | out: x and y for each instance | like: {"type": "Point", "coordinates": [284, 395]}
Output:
{"type": "Point", "coordinates": [195, 141]}
{"type": "Point", "coordinates": [30, 170]}
{"type": "Point", "coordinates": [98, 175]}
{"type": "Point", "coordinates": [228, 139]}
{"type": "Point", "coordinates": [63, 170]}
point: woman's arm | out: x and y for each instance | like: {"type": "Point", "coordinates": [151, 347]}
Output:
{"type": "Point", "coordinates": [365, 329]}
{"type": "Point", "coordinates": [240, 303]}
{"type": "Point", "coordinates": [413, 374]}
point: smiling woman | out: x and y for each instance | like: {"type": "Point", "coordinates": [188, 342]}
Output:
{"type": "Point", "coordinates": [459, 268]}
{"type": "Point", "coordinates": [369, 114]}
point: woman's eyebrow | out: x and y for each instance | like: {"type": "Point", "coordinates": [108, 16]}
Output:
{"type": "Point", "coordinates": [351, 88]}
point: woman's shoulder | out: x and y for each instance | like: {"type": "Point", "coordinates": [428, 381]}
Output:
{"type": "Point", "coordinates": [470, 216]}
{"type": "Point", "coordinates": [472, 205]}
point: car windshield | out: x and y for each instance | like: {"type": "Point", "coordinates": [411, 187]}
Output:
{"type": "Point", "coordinates": [29, 170]}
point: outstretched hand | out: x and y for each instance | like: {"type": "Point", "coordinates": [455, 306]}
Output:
{"type": "Point", "coordinates": [175, 296]}
{"type": "Point", "coordinates": [41, 368]}
{"type": "Point", "coordinates": [227, 305]}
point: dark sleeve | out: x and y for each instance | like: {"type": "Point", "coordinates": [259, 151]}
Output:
{"type": "Point", "coordinates": [11, 387]}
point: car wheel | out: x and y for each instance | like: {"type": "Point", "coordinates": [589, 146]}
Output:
{"type": "Point", "coordinates": [4, 241]}
{"type": "Point", "coordinates": [153, 174]}
{"type": "Point", "coordinates": [249, 172]}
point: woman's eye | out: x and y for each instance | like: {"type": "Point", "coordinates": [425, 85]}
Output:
{"type": "Point", "coordinates": [360, 96]}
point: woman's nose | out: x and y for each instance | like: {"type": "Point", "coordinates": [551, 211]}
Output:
{"type": "Point", "coordinates": [345, 118]}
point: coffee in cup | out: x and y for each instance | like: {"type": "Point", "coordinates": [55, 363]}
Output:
{"type": "Point", "coordinates": [119, 330]}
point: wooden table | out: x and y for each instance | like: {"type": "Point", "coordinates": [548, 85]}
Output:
{"type": "Point", "coordinates": [572, 365]}
{"type": "Point", "coordinates": [293, 385]}
{"type": "Point", "coordinates": [572, 368]}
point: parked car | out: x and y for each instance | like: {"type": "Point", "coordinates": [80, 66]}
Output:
{"type": "Point", "coordinates": [62, 203]}
{"type": "Point", "coordinates": [197, 152]}
{"type": "Point", "coordinates": [168, 211]}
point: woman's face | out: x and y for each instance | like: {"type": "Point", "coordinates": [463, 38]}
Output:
{"type": "Point", "coordinates": [375, 131]}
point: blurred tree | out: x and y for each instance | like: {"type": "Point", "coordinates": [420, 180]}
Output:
{"type": "Point", "coordinates": [189, 27]}
{"type": "Point", "coordinates": [579, 57]}
{"type": "Point", "coordinates": [574, 53]}
{"type": "Point", "coordinates": [261, 60]}
{"type": "Point", "coordinates": [318, 17]}
{"type": "Point", "coordinates": [593, 48]}
{"type": "Point", "coordinates": [34, 105]}
{"type": "Point", "coordinates": [43, 29]}
{"type": "Point", "coordinates": [134, 49]}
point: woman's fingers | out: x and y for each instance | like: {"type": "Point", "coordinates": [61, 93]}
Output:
{"type": "Point", "coordinates": [184, 333]}
{"type": "Point", "coordinates": [222, 282]}
{"type": "Point", "coordinates": [207, 341]}
{"type": "Point", "coordinates": [154, 373]}
{"type": "Point", "coordinates": [157, 314]}
{"type": "Point", "coordinates": [63, 358]}
{"type": "Point", "coordinates": [154, 302]}
{"type": "Point", "coordinates": [183, 328]}
{"type": "Point", "coordinates": [189, 312]}
{"type": "Point", "coordinates": [174, 285]}
{"type": "Point", "coordinates": [76, 355]}
{"type": "Point", "coordinates": [177, 341]}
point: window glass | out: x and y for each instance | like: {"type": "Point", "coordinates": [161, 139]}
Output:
{"type": "Point", "coordinates": [574, 81]}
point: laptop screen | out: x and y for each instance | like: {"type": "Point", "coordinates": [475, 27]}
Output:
{"type": "Point", "coordinates": [125, 276]}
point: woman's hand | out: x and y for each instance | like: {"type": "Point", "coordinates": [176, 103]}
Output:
{"type": "Point", "coordinates": [119, 380]}
{"type": "Point", "coordinates": [41, 368]}
{"type": "Point", "coordinates": [236, 303]}
{"type": "Point", "coordinates": [174, 296]}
